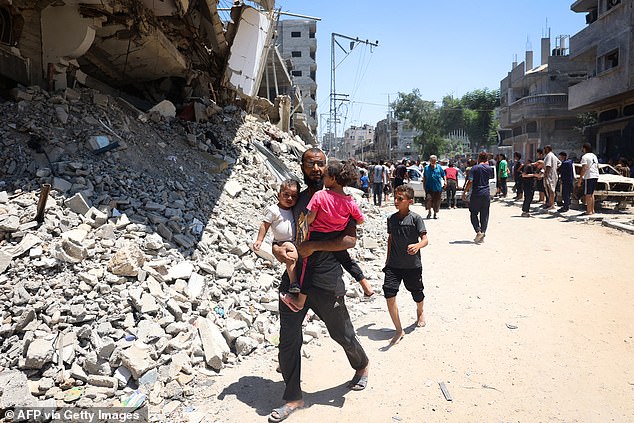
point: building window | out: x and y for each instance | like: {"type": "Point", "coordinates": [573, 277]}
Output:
{"type": "Point", "coordinates": [296, 34]}
{"type": "Point", "coordinates": [296, 73]}
{"type": "Point", "coordinates": [6, 27]}
{"type": "Point", "coordinates": [608, 61]}
{"type": "Point", "coordinates": [311, 35]}
{"type": "Point", "coordinates": [296, 54]}
{"type": "Point", "coordinates": [531, 127]}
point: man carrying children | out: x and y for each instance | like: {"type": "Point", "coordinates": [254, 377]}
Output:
{"type": "Point", "coordinates": [326, 297]}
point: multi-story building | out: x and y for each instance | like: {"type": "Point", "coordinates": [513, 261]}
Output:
{"type": "Point", "coordinates": [297, 44]}
{"type": "Point", "coordinates": [534, 102]}
{"type": "Point", "coordinates": [605, 50]}
{"type": "Point", "coordinates": [357, 141]}
{"type": "Point", "coordinates": [394, 140]}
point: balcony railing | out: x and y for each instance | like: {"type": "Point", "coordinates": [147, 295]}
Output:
{"type": "Point", "coordinates": [546, 99]}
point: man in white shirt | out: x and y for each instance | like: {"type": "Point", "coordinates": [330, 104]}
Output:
{"type": "Point", "coordinates": [589, 176]}
{"type": "Point", "coordinates": [551, 164]}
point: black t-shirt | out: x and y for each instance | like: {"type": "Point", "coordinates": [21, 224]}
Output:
{"type": "Point", "coordinates": [404, 231]}
{"type": "Point", "coordinates": [528, 183]}
{"type": "Point", "coordinates": [400, 172]}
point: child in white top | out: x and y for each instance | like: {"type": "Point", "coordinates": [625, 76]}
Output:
{"type": "Point", "coordinates": [279, 217]}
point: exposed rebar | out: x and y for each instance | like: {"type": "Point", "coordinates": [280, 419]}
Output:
{"type": "Point", "coordinates": [41, 203]}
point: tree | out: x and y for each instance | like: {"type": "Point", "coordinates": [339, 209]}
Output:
{"type": "Point", "coordinates": [479, 119]}
{"type": "Point", "coordinates": [424, 116]}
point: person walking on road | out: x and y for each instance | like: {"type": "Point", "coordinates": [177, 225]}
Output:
{"type": "Point", "coordinates": [326, 299]}
{"type": "Point", "coordinates": [589, 176]}
{"type": "Point", "coordinates": [517, 175]}
{"type": "Point", "coordinates": [567, 179]}
{"type": "Point", "coordinates": [480, 196]}
{"type": "Point", "coordinates": [529, 176]}
{"type": "Point", "coordinates": [379, 178]}
{"type": "Point", "coordinates": [400, 174]}
{"type": "Point", "coordinates": [452, 185]}
{"type": "Point", "coordinates": [551, 164]}
{"type": "Point", "coordinates": [504, 175]}
{"type": "Point", "coordinates": [406, 236]}
{"type": "Point", "coordinates": [434, 181]}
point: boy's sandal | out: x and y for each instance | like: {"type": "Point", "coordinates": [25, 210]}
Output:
{"type": "Point", "coordinates": [287, 300]}
{"type": "Point", "coordinates": [281, 413]}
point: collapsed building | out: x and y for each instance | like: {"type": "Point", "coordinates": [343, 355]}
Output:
{"type": "Point", "coordinates": [148, 51]}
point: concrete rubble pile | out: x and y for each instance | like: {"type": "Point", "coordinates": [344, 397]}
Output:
{"type": "Point", "coordinates": [140, 276]}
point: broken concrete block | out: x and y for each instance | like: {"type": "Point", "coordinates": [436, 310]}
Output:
{"type": "Point", "coordinates": [265, 281]}
{"type": "Point", "coordinates": [214, 344]}
{"type": "Point", "coordinates": [233, 188]}
{"type": "Point", "coordinates": [266, 252]}
{"type": "Point", "coordinates": [165, 108]}
{"type": "Point", "coordinates": [77, 203]}
{"type": "Point", "coordinates": [61, 185]}
{"type": "Point", "coordinates": [5, 261]}
{"type": "Point", "coordinates": [9, 223]}
{"type": "Point", "coordinates": [127, 261]}
{"type": "Point", "coordinates": [233, 329]}
{"type": "Point", "coordinates": [195, 285]}
{"type": "Point", "coordinates": [182, 270]}
{"type": "Point", "coordinates": [39, 353]}
{"type": "Point", "coordinates": [245, 345]}
{"type": "Point", "coordinates": [137, 359]}
{"type": "Point", "coordinates": [224, 269]}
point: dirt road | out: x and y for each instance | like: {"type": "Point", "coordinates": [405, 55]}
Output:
{"type": "Point", "coordinates": [534, 325]}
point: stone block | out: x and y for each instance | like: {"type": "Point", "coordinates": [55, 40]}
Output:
{"type": "Point", "coordinates": [77, 203]}
{"type": "Point", "coordinates": [215, 346]}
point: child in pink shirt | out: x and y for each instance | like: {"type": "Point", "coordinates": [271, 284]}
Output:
{"type": "Point", "coordinates": [329, 212]}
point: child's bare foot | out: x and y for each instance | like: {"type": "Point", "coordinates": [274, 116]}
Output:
{"type": "Point", "coordinates": [397, 338]}
{"type": "Point", "coordinates": [420, 321]}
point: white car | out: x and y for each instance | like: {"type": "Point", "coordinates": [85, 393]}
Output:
{"type": "Point", "coordinates": [416, 182]}
{"type": "Point", "coordinates": [611, 186]}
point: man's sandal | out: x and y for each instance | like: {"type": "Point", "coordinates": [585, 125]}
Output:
{"type": "Point", "coordinates": [358, 383]}
{"type": "Point", "coordinates": [281, 413]}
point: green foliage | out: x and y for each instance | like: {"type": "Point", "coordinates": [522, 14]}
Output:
{"type": "Point", "coordinates": [473, 113]}
{"type": "Point", "coordinates": [586, 119]}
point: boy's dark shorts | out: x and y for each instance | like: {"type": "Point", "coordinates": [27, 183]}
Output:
{"type": "Point", "coordinates": [412, 279]}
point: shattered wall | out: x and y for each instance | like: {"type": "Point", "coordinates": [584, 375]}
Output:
{"type": "Point", "coordinates": [125, 44]}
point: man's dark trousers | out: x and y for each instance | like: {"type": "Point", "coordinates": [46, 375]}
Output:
{"type": "Point", "coordinates": [566, 191]}
{"type": "Point", "coordinates": [332, 311]}
{"type": "Point", "coordinates": [378, 192]}
{"type": "Point", "coordinates": [479, 205]}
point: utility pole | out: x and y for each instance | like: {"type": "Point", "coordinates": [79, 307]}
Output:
{"type": "Point", "coordinates": [337, 98]}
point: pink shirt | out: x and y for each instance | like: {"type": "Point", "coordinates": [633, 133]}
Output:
{"type": "Point", "coordinates": [451, 173]}
{"type": "Point", "coordinates": [333, 211]}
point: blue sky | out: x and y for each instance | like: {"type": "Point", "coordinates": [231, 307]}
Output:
{"type": "Point", "coordinates": [440, 47]}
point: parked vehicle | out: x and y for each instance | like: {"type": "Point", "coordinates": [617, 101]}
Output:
{"type": "Point", "coordinates": [611, 186]}
{"type": "Point", "coordinates": [416, 182]}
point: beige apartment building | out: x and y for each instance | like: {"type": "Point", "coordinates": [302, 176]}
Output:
{"type": "Point", "coordinates": [298, 46]}
{"type": "Point", "coordinates": [534, 102]}
{"type": "Point", "coordinates": [357, 141]}
{"type": "Point", "coordinates": [605, 50]}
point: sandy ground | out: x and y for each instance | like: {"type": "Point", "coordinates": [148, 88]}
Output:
{"type": "Point", "coordinates": [534, 325]}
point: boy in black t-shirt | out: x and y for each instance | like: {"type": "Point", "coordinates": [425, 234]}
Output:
{"type": "Point", "coordinates": [406, 236]}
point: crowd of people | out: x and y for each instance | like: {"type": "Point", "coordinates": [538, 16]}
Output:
{"type": "Point", "coordinates": [313, 229]}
